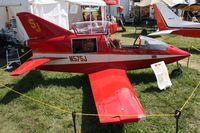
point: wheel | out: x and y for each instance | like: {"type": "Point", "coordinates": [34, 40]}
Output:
{"type": "Point", "coordinates": [177, 72]}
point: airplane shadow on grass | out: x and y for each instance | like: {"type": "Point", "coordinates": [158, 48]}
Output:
{"type": "Point", "coordinates": [89, 124]}
{"type": "Point", "coordinates": [34, 79]}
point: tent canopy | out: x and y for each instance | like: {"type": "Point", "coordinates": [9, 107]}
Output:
{"type": "Point", "coordinates": [12, 2]}
{"type": "Point", "coordinates": [144, 3]}
{"type": "Point", "coordinates": [192, 7]}
{"type": "Point", "coordinates": [4, 3]}
{"type": "Point", "coordinates": [43, 2]}
{"type": "Point", "coordinates": [180, 6]}
{"type": "Point", "coordinates": [88, 2]}
{"type": "Point", "coordinates": [80, 2]}
{"type": "Point", "coordinates": [171, 3]}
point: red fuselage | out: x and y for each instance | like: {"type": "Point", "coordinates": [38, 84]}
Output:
{"type": "Point", "coordinates": [102, 57]}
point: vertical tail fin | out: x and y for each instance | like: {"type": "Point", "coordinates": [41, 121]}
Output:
{"type": "Point", "coordinates": [160, 22]}
{"type": "Point", "coordinates": [165, 17]}
{"type": "Point", "coordinates": [37, 27]}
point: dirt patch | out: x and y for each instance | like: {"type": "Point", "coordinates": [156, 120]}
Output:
{"type": "Point", "coordinates": [194, 62]}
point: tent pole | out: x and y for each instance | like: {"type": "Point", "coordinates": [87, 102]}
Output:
{"type": "Point", "coordinates": [110, 13]}
{"type": "Point", "coordinates": [90, 13]}
{"type": "Point", "coordinates": [7, 13]}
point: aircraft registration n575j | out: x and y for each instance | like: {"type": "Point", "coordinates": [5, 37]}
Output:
{"type": "Point", "coordinates": [90, 50]}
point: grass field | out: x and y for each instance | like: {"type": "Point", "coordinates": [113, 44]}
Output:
{"type": "Point", "coordinates": [72, 92]}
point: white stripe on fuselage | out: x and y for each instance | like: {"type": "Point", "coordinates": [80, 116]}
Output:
{"type": "Point", "coordinates": [97, 58]}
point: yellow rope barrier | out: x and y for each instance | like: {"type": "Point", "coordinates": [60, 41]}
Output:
{"type": "Point", "coordinates": [190, 96]}
{"type": "Point", "coordinates": [145, 115]}
{"type": "Point", "coordinates": [25, 53]}
{"type": "Point", "coordinates": [196, 48]}
{"type": "Point", "coordinates": [3, 67]}
{"type": "Point", "coordinates": [35, 100]}
{"type": "Point", "coordinates": [85, 114]}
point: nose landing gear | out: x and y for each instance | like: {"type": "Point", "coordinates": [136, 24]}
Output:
{"type": "Point", "coordinates": [178, 71]}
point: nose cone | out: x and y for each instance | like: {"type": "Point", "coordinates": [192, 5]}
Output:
{"type": "Point", "coordinates": [180, 53]}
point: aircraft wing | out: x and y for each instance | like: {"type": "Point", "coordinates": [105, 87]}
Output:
{"type": "Point", "coordinates": [29, 65]}
{"type": "Point", "coordinates": [115, 99]}
{"type": "Point", "coordinates": [163, 32]}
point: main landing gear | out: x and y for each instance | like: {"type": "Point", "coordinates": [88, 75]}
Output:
{"type": "Point", "coordinates": [178, 71]}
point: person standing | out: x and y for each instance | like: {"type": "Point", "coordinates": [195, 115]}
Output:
{"type": "Point", "coordinates": [121, 18]}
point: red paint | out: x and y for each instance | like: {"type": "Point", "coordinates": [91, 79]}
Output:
{"type": "Point", "coordinates": [115, 96]}
{"type": "Point", "coordinates": [160, 21]}
{"type": "Point", "coordinates": [113, 27]}
{"type": "Point", "coordinates": [37, 27]}
{"type": "Point", "coordinates": [29, 65]}
{"type": "Point", "coordinates": [111, 2]}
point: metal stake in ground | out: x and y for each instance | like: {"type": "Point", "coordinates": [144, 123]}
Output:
{"type": "Point", "coordinates": [177, 116]}
{"type": "Point", "coordinates": [74, 120]}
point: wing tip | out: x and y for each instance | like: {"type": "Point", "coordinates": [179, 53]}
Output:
{"type": "Point", "coordinates": [142, 117]}
{"type": "Point", "coordinates": [15, 74]}
{"type": "Point", "coordinates": [29, 65]}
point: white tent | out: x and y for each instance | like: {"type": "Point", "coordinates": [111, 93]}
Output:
{"type": "Point", "coordinates": [12, 2]}
{"type": "Point", "coordinates": [75, 10]}
{"type": "Point", "coordinates": [171, 3]}
{"type": "Point", "coordinates": [8, 9]}
{"type": "Point", "coordinates": [88, 2]}
{"type": "Point", "coordinates": [60, 12]}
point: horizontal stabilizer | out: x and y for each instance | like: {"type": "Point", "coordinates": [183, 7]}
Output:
{"type": "Point", "coordinates": [163, 32]}
{"type": "Point", "coordinates": [191, 25]}
{"type": "Point", "coordinates": [29, 65]}
{"type": "Point", "coordinates": [115, 99]}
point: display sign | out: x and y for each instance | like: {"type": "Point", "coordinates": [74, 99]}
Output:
{"type": "Point", "coordinates": [162, 75]}
{"type": "Point", "coordinates": [111, 2]}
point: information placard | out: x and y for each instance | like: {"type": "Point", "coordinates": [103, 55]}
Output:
{"type": "Point", "coordinates": [162, 75]}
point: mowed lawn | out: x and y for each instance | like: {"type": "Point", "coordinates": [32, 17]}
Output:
{"type": "Point", "coordinates": [72, 92]}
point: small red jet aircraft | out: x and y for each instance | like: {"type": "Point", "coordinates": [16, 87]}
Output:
{"type": "Point", "coordinates": [90, 50]}
{"type": "Point", "coordinates": [169, 23]}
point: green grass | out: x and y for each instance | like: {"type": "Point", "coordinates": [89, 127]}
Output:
{"type": "Point", "coordinates": [72, 92]}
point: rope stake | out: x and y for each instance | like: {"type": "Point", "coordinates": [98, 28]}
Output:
{"type": "Point", "coordinates": [74, 120]}
{"type": "Point", "coordinates": [177, 116]}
